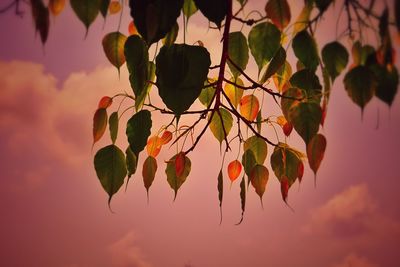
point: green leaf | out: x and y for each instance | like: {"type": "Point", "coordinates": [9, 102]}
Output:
{"type": "Point", "coordinates": [305, 49]}
{"type": "Point", "coordinates": [139, 101]}
{"type": "Point", "coordinates": [315, 151]}
{"type": "Point", "coordinates": [113, 46]}
{"type": "Point", "coordinates": [189, 8]}
{"type": "Point", "coordinates": [282, 76]}
{"type": "Point", "coordinates": [258, 146]}
{"type": "Point", "coordinates": [86, 11]}
{"type": "Point", "coordinates": [276, 63]}
{"type": "Point", "coordinates": [131, 162]}
{"type": "Point", "coordinates": [287, 102]}
{"type": "Point", "coordinates": [308, 81]}
{"type": "Point", "coordinates": [149, 172]}
{"type": "Point", "coordinates": [113, 123]}
{"type": "Point", "coordinates": [138, 130]}
{"type": "Point", "coordinates": [170, 38]}
{"type": "Point", "coordinates": [99, 124]}
{"type": "Point", "coordinates": [233, 92]}
{"type": "Point", "coordinates": [259, 177]}
{"type": "Point", "coordinates": [306, 118]}
{"type": "Point", "coordinates": [335, 58]}
{"type": "Point", "coordinates": [248, 161]}
{"type": "Point", "coordinates": [221, 124]}
{"type": "Point", "coordinates": [387, 83]}
{"type": "Point", "coordinates": [303, 19]}
{"type": "Point", "coordinates": [104, 4]}
{"type": "Point", "coordinates": [213, 10]}
{"type": "Point", "coordinates": [238, 52]}
{"type": "Point", "coordinates": [137, 60]}
{"type": "Point", "coordinates": [154, 19]}
{"type": "Point", "coordinates": [109, 163]}
{"type": "Point", "coordinates": [220, 187]}
{"type": "Point", "coordinates": [181, 71]}
{"type": "Point", "coordinates": [360, 85]}
{"type": "Point", "coordinates": [264, 41]}
{"type": "Point", "coordinates": [285, 162]}
{"type": "Point", "coordinates": [175, 181]}
{"type": "Point", "coordinates": [279, 12]}
{"type": "Point", "coordinates": [242, 198]}
{"type": "Point", "coordinates": [207, 94]}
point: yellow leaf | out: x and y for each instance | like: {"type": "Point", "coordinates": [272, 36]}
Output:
{"type": "Point", "coordinates": [249, 107]}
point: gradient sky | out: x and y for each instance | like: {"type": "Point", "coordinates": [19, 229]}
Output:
{"type": "Point", "coordinates": [54, 211]}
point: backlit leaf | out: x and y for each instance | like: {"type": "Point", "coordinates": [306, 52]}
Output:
{"type": "Point", "coordinates": [282, 76]}
{"type": "Point", "coordinates": [284, 188]}
{"type": "Point", "coordinates": [259, 177]}
{"type": "Point", "coordinates": [221, 124]}
{"type": "Point", "coordinates": [181, 71]}
{"type": "Point", "coordinates": [132, 28]}
{"type": "Point", "coordinates": [189, 8]}
{"type": "Point", "coordinates": [149, 172]}
{"type": "Point", "coordinates": [285, 162]}
{"type": "Point", "coordinates": [258, 146]}
{"type": "Point", "coordinates": [180, 164]}
{"type": "Point", "coordinates": [276, 63]}
{"type": "Point", "coordinates": [238, 52]}
{"type": "Point", "coordinates": [56, 6]}
{"type": "Point", "coordinates": [109, 163]}
{"type": "Point", "coordinates": [153, 147]}
{"type": "Point", "coordinates": [305, 49]}
{"type": "Point", "coordinates": [175, 181]}
{"type": "Point", "coordinates": [249, 107]}
{"type": "Point", "coordinates": [287, 128]}
{"type": "Point", "coordinates": [113, 46]}
{"type": "Point", "coordinates": [233, 92]}
{"type": "Point", "coordinates": [306, 118]}
{"type": "Point", "coordinates": [315, 151]}
{"type": "Point", "coordinates": [138, 130]}
{"type": "Point", "coordinates": [99, 124]}
{"type": "Point", "coordinates": [166, 137]}
{"type": "Point", "coordinates": [113, 123]}
{"type": "Point", "coordinates": [105, 102]}
{"type": "Point", "coordinates": [303, 19]}
{"type": "Point", "coordinates": [114, 7]}
{"type": "Point", "coordinates": [264, 41]}
{"type": "Point", "coordinates": [170, 38]}
{"type": "Point", "coordinates": [207, 94]}
{"type": "Point", "coordinates": [279, 12]}
{"type": "Point", "coordinates": [335, 58]}
{"type": "Point", "coordinates": [86, 10]}
{"type": "Point", "coordinates": [234, 170]}
{"type": "Point", "coordinates": [214, 10]}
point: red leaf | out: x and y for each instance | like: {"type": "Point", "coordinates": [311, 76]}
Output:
{"type": "Point", "coordinates": [300, 171]}
{"type": "Point", "coordinates": [105, 102]}
{"type": "Point", "coordinates": [179, 164]}
{"type": "Point", "coordinates": [154, 146]}
{"type": "Point", "coordinates": [166, 137]}
{"type": "Point", "coordinates": [315, 151]}
{"type": "Point", "coordinates": [234, 170]}
{"type": "Point", "coordinates": [287, 128]}
{"type": "Point", "coordinates": [99, 124]}
{"type": "Point", "coordinates": [285, 188]}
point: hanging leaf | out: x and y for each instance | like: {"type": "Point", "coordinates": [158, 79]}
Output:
{"type": "Point", "coordinates": [303, 19]}
{"type": "Point", "coordinates": [238, 52]}
{"type": "Point", "coordinates": [220, 187]}
{"type": "Point", "coordinates": [86, 11]}
{"type": "Point", "coordinates": [300, 171]}
{"type": "Point", "coordinates": [335, 58]}
{"type": "Point", "coordinates": [113, 123]}
{"type": "Point", "coordinates": [234, 170]}
{"type": "Point", "coordinates": [308, 81]}
{"type": "Point", "coordinates": [276, 63]}
{"type": "Point", "coordinates": [290, 101]}
{"type": "Point", "coordinates": [99, 124]}
{"type": "Point", "coordinates": [258, 146]}
{"type": "Point", "coordinates": [323, 5]}
{"type": "Point", "coordinates": [387, 83]}
{"type": "Point", "coordinates": [264, 41]}
{"type": "Point", "coordinates": [285, 162]}
{"type": "Point", "coordinates": [149, 172]}
{"type": "Point", "coordinates": [113, 46]}
{"type": "Point", "coordinates": [248, 161]}
{"type": "Point", "coordinates": [284, 188]}
{"type": "Point", "coordinates": [170, 38]}
{"type": "Point", "coordinates": [104, 4]}
{"type": "Point", "coordinates": [139, 102]}
{"type": "Point", "coordinates": [166, 137]}
{"type": "Point", "coordinates": [114, 7]}
{"type": "Point", "coordinates": [306, 118]}
{"type": "Point", "coordinates": [173, 179]}
{"type": "Point", "coordinates": [109, 163]}
{"type": "Point", "coordinates": [233, 92]}
{"type": "Point", "coordinates": [132, 28]}
{"type": "Point", "coordinates": [181, 71]}
{"type": "Point", "coordinates": [259, 177]}
{"type": "Point", "coordinates": [360, 85]}
{"type": "Point", "coordinates": [213, 10]}
{"type": "Point", "coordinates": [154, 19]}
{"type": "Point", "coordinates": [189, 8]}
{"type": "Point", "coordinates": [131, 162]}
{"type": "Point", "coordinates": [105, 102]}
{"type": "Point", "coordinates": [138, 130]}
{"type": "Point", "coordinates": [305, 49]}
{"type": "Point", "coordinates": [56, 6]}
{"type": "Point", "coordinates": [153, 147]}
{"type": "Point", "coordinates": [282, 76]}
{"type": "Point", "coordinates": [279, 12]}
{"type": "Point", "coordinates": [207, 94]}
{"type": "Point", "coordinates": [242, 198]}
{"type": "Point", "coordinates": [221, 124]}
{"type": "Point", "coordinates": [259, 121]}
{"type": "Point", "coordinates": [180, 164]}
{"type": "Point", "coordinates": [249, 107]}
{"type": "Point", "coordinates": [315, 151]}
{"type": "Point", "coordinates": [41, 18]}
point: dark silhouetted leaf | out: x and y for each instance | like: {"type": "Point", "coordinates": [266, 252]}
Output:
{"type": "Point", "coordinates": [138, 130]}
{"type": "Point", "coordinates": [242, 198]}
{"type": "Point", "coordinates": [387, 83]}
{"type": "Point", "coordinates": [86, 11]}
{"type": "Point", "coordinates": [305, 49]}
{"type": "Point", "coordinates": [170, 38]}
{"type": "Point", "coordinates": [315, 151]}
{"type": "Point", "coordinates": [220, 187]}
{"type": "Point", "coordinates": [176, 181]}
{"type": "Point", "coordinates": [306, 118]}
{"type": "Point", "coordinates": [238, 52]}
{"type": "Point", "coordinates": [214, 10]}
{"type": "Point", "coordinates": [113, 123]}
{"type": "Point", "coordinates": [360, 85]}
{"type": "Point", "coordinates": [41, 18]}
{"type": "Point", "coordinates": [279, 12]}
{"type": "Point", "coordinates": [322, 5]}
{"type": "Point", "coordinates": [335, 58]}
{"type": "Point", "coordinates": [131, 162]}
{"type": "Point", "coordinates": [104, 4]}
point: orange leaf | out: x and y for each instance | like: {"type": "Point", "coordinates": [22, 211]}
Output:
{"type": "Point", "coordinates": [315, 151]}
{"type": "Point", "coordinates": [234, 170]}
{"type": "Point", "coordinates": [281, 120]}
{"type": "Point", "coordinates": [284, 188]}
{"type": "Point", "coordinates": [99, 124]}
{"type": "Point", "coordinates": [300, 171]}
{"type": "Point", "coordinates": [114, 7]}
{"type": "Point", "coordinates": [56, 6]}
{"type": "Point", "coordinates": [105, 102]}
{"type": "Point", "coordinates": [179, 164]}
{"type": "Point", "coordinates": [249, 107]}
{"type": "Point", "coordinates": [154, 146]}
{"type": "Point", "coordinates": [259, 177]}
{"type": "Point", "coordinates": [166, 137]}
{"type": "Point", "coordinates": [132, 28]}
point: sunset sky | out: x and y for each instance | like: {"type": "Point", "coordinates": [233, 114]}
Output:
{"type": "Point", "coordinates": [54, 211]}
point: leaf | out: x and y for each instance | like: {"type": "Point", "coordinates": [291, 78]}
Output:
{"type": "Point", "coordinates": [360, 85]}
{"type": "Point", "coordinates": [153, 147]}
{"type": "Point", "coordinates": [105, 102]}
{"type": "Point", "coordinates": [181, 71]}
{"type": "Point", "coordinates": [290, 100]}
{"type": "Point", "coordinates": [323, 5]}
{"type": "Point", "coordinates": [138, 130]}
{"type": "Point", "coordinates": [284, 188]}
{"type": "Point", "coordinates": [387, 83]}
{"type": "Point", "coordinates": [258, 146]}
{"type": "Point", "coordinates": [166, 137]}
{"type": "Point", "coordinates": [213, 10]}
{"type": "Point", "coordinates": [259, 177]}
{"type": "Point", "coordinates": [149, 172]}
{"type": "Point", "coordinates": [287, 128]}
{"type": "Point", "coordinates": [143, 94]}
{"type": "Point", "coordinates": [109, 163]}
{"type": "Point", "coordinates": [189, 8]}
{"type": "Point", "coordinates": [99, 124]}
{"type": "Point", "coordinates": [306, 118]}
{"type": "Point", "coordinates": [264, 41]}
{"type": "Point", "coordinates": [104, 4]}
{"type": "Point", "coordinates": [303, 18]}
{"type": "Point", "coordinates": [41, 18]}
{"type": "Point", "coordinates": [114, 7]}
{"type": "Point", "coordinates": [335, 58]}
{"type": "Point", "coordinates": [220, 187]}
{"type": "Point", "coordinates": [180, 164]}
{"type": "Point", "coordinates": [175, 181]}
{"type": "Point", "coordinates": [315, 151]}
{"type": "Point", "coordinates": [207, 94]}
{"type": "Point", "coordinates": [305, 49]}
{"type": "Point", "coordinates": [242, 198]}
{"type": "Point", "coordinates": [154, 19]}
{"type": "Point", "coordinates": [285, 162]}
{"type": "Point", "coordinates": [170, 38]}
{"type": "Point", "coordinates": [221, 124]}
{"type": "Point", "coordinates": [137, 60]}
{"type": "Point", "coordinates": [131, 162]}
{"type": "Point", "coordinates": [132, 28]}
{"type": "Point", "coordinates": [276, 63]}
{"type": "Point", "coordinates": [234, 170]}
{"type": "Point", "coordinates": [308, 81]}
{"type": "Point", "coordinates": [248, 161]}
{"type": "Point", "coordinates": [113, 46]}
{"type": "Point", "coordinates": [259, 121]}
{"type": "Point", "coordinates": [279, 12]}
{"type": "Point", "coordinates": [238, 52]}
{"type": "Point", "coordinates": [56, 6]}
{"type": "Point", "coordinates": [282, 76]}
{"type": "Point", "coordinates": [86, 11]}
{"type": "Point", "coordinates": [300, 171]}
{"type": "Point", "coordinates": [249, 107]}
{"type": "Point", "coordinates": [113, 123]}
{"type": "Point", "coordinates": [233, 92]}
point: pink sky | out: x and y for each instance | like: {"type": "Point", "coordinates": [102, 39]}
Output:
{"type": "Point", "coordinates": [54, 211]}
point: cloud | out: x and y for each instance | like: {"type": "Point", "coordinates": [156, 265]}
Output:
{"type": "Point", "coordinates": [126, 252]}
{"type": "Point", "coordinates": [354, 260]}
